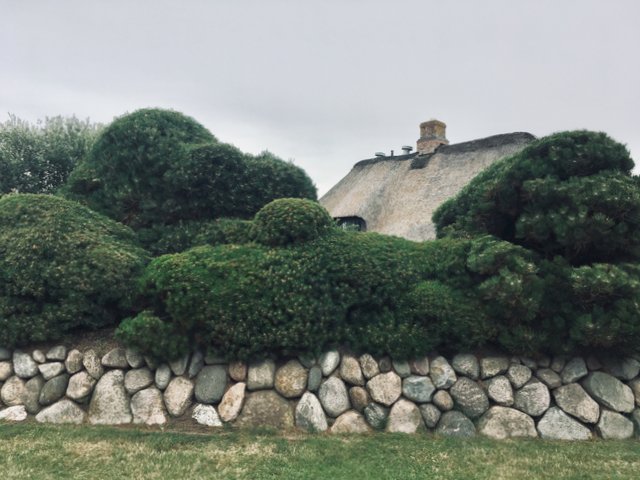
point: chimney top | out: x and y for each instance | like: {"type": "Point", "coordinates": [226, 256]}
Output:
{"type": "Point", "coordinates": [432, 135]}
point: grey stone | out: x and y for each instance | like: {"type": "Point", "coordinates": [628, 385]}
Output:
{"type": "Point", "coordinates": [31, 398]}
{"type": "Point", "coordinates": [609, 391]}
{"type": "Point", "coordinates": [533, 399]}
{"type": "Point", "coordinates": [57, 353]}
{"type": "Point", "coordinates": [211, 358]}
{"type": "Point", "coordinates": [13, 391]}
{"type": "Point", "coordinates": [54, 389]}
{"type": "Point", "coordinates": [147, 407]}
{"type": "Point", "coordinates": [557, 425]}
{"type": "Point", "coordinates": [179, 366]}
{"type": "Point", "coordinates": [635, 418]}
{"type": "Point", "coordinates": [455, 424]}
{"type": "Point", "coordinates": [309, 414]}
{"type": "Point", "coordinates": [376, 415]}
{"type": "Point", "coordinates": [206, 415]}
{"type": "Point", "coordinates": [558, 363]}
{"type": "Point", "coordinates": [530, 363]}
{"type": "Point", "coordinates": [442, 374]}
{"type": "Point", "coordinates": [350, 422]}
{"type": "Point", "coordinates": [80, 386]}
{"type": "Point", "coordinates": [64, 411]}
{"type": "Point", "coordinates": [613, 426]}
{"type": "Point", "coordinates": [469, 397]}
{"type": "Point", "coordinates": [13, 414]}
{"type": "Point", "coordinates": [430, 414]}
{"type": "Point", "coordinates": [110, 403]}
{"type": "Point", "coordinates": [138, 379]}
{"type": "Point", "coordinates": [635, 388]}
{"type": "Point", "coordinates": [593, 363]}
{"type": "Point", "coordinates": [419, 366]}
{"type": "Point", "coordinates": [624, 369]}
{"type": "Point", "coordinates": [385, 388]}
{"type": "Point", "coordinates": [261, 375]}
{"type": "Point", "coordinates": [334, 397]}
{"type": "Point", "coordinates": [134, 359]}
{"type": "Point", "coordinates": [328, 362]}
{"type": "Point", "coordinates": [404, 417]}
{"type": "Point", "coordinates": [177, 396]}
{"type": "Point", "coordinates": [502, 422]}
{"type": "Point", "coordinates": [50, 370]}
{"type": "Point", "coordinates": [291, 379]}
{"type": "Point", "coordinates": [442, 399]}
{"type": "Point", "coordinates": [73, 363]}
{"type": "Point", "coordinates": [518, 375]}
{"type": "Point", "coordinates": [151, 362]}
{"type": "Point", "coordinates": [211, 383]}
{"type": "Point", "coordinates": [23, 365]}
{"type": "Point", "coordinates": [574, 370]}
{"type": "Point", "coordinates": [492, 366]}
{"type": "Point", "coordinates": [418, 389]}
{"type": "Point", "coordinates": [467, 365]}
{"type": "Point", "coordinates": [500, 391]}
{"type": "Point", "coordinates": [5, 354]}
{"type": "Point", "coordinates": [359, 398]}
{"type": "Point", "coordinates": [238, 371]}
{"type": "Point", "coordinates": [350, 370]}
{"type": "Point", "coordinates": [92, 364]}
{"type": "Point", "coordinates": [163, 376]}
{"type": "Point", "coordinates": [115, 358]}
{"type": "Point", "coordinates": [6, 370]}
{"type": "Point", "coordinates": [385, 364]}
{"type": "Point", "coordinates": [307, 360]}
{"type": "Point", "coordinates": [315, 378]}
{"type": "Point", "coordinates": [402, 368]}
{"type": "Point", "coordinates": [266, 409]}
{"type": "Point", "coordinates": [39, 356]}
{"type": "Point", "coordinates": [369, 366]}
{"type": "Point", "coordinates": [550, 378]}
{"type": "Point", "coordinates": [543, 361]}
{"type": "Point", "coordinates": [232, 401]}
{"type": "Point", "coordinates": [196, 364]}
{"type": "Point", "coordinates": [576, 402]}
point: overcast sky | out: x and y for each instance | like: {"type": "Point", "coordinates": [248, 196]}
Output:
{"type": "Point", "coordinates": [327, 83]}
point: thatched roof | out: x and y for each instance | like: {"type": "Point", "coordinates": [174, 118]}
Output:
{"type": "Point", "coordinates": [398, 195]}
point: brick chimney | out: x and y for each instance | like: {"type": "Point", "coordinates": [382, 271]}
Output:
{"type": "Point", "coordinates": [432, 135]}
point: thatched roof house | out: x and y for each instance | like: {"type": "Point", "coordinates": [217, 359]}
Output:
{"type": "Point", "coordinates": [397, 195]}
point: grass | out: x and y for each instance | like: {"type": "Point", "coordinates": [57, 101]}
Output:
{"type": "Point", "coordinates": [36, 451]}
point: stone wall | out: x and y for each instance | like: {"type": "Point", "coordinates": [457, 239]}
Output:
{"type": "Point", "coordinates": [496, 396]}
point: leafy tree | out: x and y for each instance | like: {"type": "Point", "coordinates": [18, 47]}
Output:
{"type": "Point", "coordinates": [39, 158]}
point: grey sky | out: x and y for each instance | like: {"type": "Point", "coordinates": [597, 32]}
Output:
{"type": "Point", "coordinates": [328, 83]}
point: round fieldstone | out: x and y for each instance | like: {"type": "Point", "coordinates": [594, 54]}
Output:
{"type": "Point", "coordinates": [609, 391]}
{"type": "Point", "coordinates": [622, 368]}
{"type": "Point", "coordinates": [613, 426]}
{"type": "Point", "coordinates": [163, 376]}
{"type": "Point", "coordinates": [359, 398]}
{"type": "Point", "coordinates": [64, 411]}
{"type": "Point", "coordinates": [39, 356]}
{"type": "Point", "coordinates": [492, 366]}
{"type": "Point", "coordinates": [211, 383]}
{"type": "Point", "coordinates": [558, 363]}
{"type": "Point", "coordinates": [419, 366]}
{"type": "Point", "coordinates": [334, 397]}
{"type": "Point", "coordinates": [5, 354]}
{"type": "Point", "coordinates": [23, 365]}
{"type": "Point", "coordinates": [110, 402]}
{"type": "Point", "coordinates": [309, 414]}
{"type": "Point", "coordinates": [6, 370]}
{"type": "Point", "coordinates": [177, 396]}
{"type": "Point", "coordinates": [232, 402]}
{"type": "Point", "coordinates": [179, 366]}
{"type": "Point", "coordinates": [350, 370]}
{"type": "Point", "coordinates": [350, 422]}
{"type": "Point", "coordinates": [266, 408]}
{"type": "Point", "coordinates": [467, 365]}
{"type": "Point", "coordinates": [13, 391]}
{"type": "Point", "coordinates": [54, 389]}
{"type": "Point", "coordinates": [196, 364]}
{"type": "Point", "coordinates": [430, 414]}
{"type": "Point", "coordinates": [404, 417]}
{"type": "Point", "coordinates": [376, 415]}
{"type": "Point", "coordinates": [315, 378]}
{"type": "Point", "coordinates": [307, 360]}
{"type": "Point", "coordinates": [418, 389]}
{"type": "Point", "coordinates": [138, 379]}
{"type": "Point", "coordinates": [533, 399]}
{"type": "Point", "coordinates": [291, 379]}
{"type": "Point", "coordinates": [31, 398]}
{"type": "Point", "coordinates": [13, 414]}
{"type": "Point", "coordinates": [455, 424]}
{"type": "Point", "coordinates": [469, 397]}
{"type": "Point", "coordinates": [50, 370]}
{"type": "Point", "coordinates": [328, 362]}
{"type": "Point", "coordinates": [576, 402]}
{"type": "Point", "coordinates": [115, 358]}
{"type": "Point", "coordinates": [442, 399]}
{"type": "Point", "coordinates": [206, 415]}
{"type": "Point", "coordinates": [500, 391]}
{"type": "Point", "coordinates": [57, 353]}
{"type": "Point", "coordinates": [518, 375]}
{"type": "Point", "coordinates": [73, 363]}
{"type": "Point", "coordinates": [385, 365]}
{"type": "Point", "coordinates": [80, 386]}
{"type": "Point", "coordinates": [147, 407]}
{"type": "Point", "coordinates": [385, 388]}
{"type": "Point", "coordinates": [634, 385]}
{"type": "Point", "coordinates": [92, 364]}
{"type": "Point", "coordinates": [574, 370]}
{"type": "Point", "coordinates": [369, 366]}
{"type": "Point", "coordinates": [238, 371]}
{"type": "Point", "coordinates": [550, 378]}
{"type": "Point", "coordinates": [502, 422]}
{"type": "Point", "coordinates": [557, 425]}
{"type": "Point", "coordinates": [442, 374]}
{"type": "Point", "coordinates": [261, 375]}
{"type": "Point", "coordinates": [401, 367]}
{"type": "Point", "coordinates": [134, 358]}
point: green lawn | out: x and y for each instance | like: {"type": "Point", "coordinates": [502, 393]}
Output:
{"type": "Point", "coordinates": [42, 452]}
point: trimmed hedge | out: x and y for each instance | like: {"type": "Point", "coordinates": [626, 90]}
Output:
{"type": "Point", "coordinates": [62, 267]}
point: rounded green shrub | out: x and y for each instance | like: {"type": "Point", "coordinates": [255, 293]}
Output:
{"type": "Point", "coordinates": [291, 220]}
{"type": "Point", "coordinates": [62, 267]}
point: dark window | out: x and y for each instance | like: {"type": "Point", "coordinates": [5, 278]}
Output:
{"type": "Point", "coordinates": [354, 224]}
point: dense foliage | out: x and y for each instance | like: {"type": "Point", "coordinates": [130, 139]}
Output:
{"type": "Point", "coordinates": [62, 266]}
{"type": "Point", "coordinates": [39, 158]}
